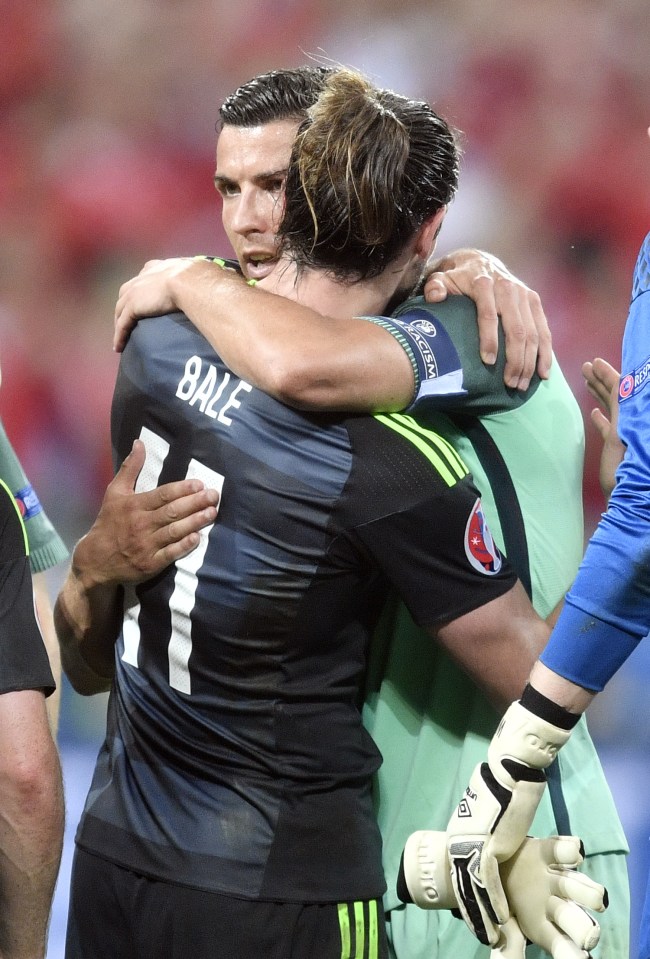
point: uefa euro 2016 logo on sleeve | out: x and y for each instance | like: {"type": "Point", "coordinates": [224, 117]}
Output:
{"type": "Point", "coordinates": [479, 545]}
{"type": "Point", "coordinates": [634, 382]}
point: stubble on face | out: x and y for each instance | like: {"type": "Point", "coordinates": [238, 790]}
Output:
{"type": "Point", "coordinates": [251, 169]}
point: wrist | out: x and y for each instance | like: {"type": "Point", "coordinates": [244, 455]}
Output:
{"type": "Point", "coordinates": [202, 289]}
{"type": "Point", "coordinates": [526, 738]}
{"type": "Point", "coordinates": [454, 259]}
{"type": "Point", "coordinates": [87, 573]}
{"type": "Point", "coordinates": [547, 710]}
{"type": "Point", "coordinates": [179, 283]}
{"type": "Point", "coordinates": [424, 874]}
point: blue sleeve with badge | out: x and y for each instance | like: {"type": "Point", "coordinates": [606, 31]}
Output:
{"type": "Point", "coordinates": [607, 610]}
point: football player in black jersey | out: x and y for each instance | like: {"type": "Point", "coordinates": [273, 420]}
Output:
{"type": "Point", "coordinates": [230, 811]}
{"type": "Point", "coordinates": [157, 527]}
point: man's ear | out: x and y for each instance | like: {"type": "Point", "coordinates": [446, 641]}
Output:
{"type": "Point", "coordinates": [428, 234]}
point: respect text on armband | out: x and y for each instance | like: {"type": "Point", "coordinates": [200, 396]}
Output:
{"type": "Point", "coordinates": [634, 382]}
{"type": "Point", "coordinates": [213, 392]}
{"type": "Point", "coordinates": [424, 347]}
{"type": "Point", "coordinates": [434, 349]}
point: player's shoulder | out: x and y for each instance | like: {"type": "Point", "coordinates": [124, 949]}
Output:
{"type": "Point", "coordinates": [158, 352]}
{"type": "Point", "coordinates": [13, 539]}
{"type": "Point", "coordinates": [153, 327]}
{"type": "Point", "coordinates": [457, 312]}
{"type": "Point", "coordinates": [157, 341]}
{"type": "Point", "coordinates": [405, 454]}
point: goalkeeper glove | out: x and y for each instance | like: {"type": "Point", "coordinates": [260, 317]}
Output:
{"type": "Point", "coordinates": [495, 814]}
{"type": "Point", "coordinates": [547, 897]}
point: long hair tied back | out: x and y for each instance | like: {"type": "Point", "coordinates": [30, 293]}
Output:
{"type": "Point", "coordinates": [363, 176]}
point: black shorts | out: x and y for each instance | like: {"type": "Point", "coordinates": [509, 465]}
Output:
{"type": "Point", "coordinates": [118, 914]}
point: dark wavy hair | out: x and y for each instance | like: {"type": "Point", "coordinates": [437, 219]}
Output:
{"type": "Point", "coordinates": [277, 95]}
{"type": "Point", "coordinates": [368, 167]}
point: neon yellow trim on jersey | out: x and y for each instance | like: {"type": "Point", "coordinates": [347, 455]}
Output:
{"type": "Point", "coordinates": [20, 519]}
{"type": "Point", "coordinates": [360, 929]}
{"type": "Point", "coordinates": [344, 925]}
{"type": "Point", "coordinates": [443, 444]}
{"type": "Point", "coordinates": [212, 259]}
{"type": "Point", "coordinates": [441, 454]}
{"type": "Point", "coordinates": [373, 930]}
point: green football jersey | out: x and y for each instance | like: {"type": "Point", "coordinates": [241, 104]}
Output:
{"type": "Point", "coordinates": [430, 722]}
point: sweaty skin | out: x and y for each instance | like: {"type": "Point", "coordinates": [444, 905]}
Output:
{"type": "Point", "coordinates": [250, 170]}
{"type": "Point", "coordinates": [302, 364]}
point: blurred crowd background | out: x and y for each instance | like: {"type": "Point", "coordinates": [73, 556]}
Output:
{"type": "Point", "coordinates": [107, 135]}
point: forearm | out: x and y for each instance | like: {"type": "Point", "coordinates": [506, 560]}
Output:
{"type": "Point", "coordinates": [497, 645]}
{"type": "Point", "coordinates": [31, 825]}
{"type": "Point", "coordinates": [87, 617]}
{"type": "Point", "coordinates": [46, 621]}
{"type": "Point", "coordinates": [292, 352]}
{"type": "Point", "coordinates": [573, 698]}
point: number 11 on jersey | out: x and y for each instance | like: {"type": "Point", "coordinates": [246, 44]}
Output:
{"type": "Point", "coordinates": [185, 578]}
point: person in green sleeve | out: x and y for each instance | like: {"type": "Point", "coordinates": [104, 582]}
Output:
{"type": "Point", "coordinates": [430, 722]}
{"type": "Point", "coordinates": [46, 549]}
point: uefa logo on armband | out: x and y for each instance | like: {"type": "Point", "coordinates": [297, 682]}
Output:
{"type": "Point", "coordinates": [423, 325]}
{"type": "Point", "coordinates": [634, 382]}
{"type": "Point", "coordinates": [626, 387]}
{"type": "Point", "coordinates": [28, 502]}
{"type": "Point", "coordinates": [479, 545]}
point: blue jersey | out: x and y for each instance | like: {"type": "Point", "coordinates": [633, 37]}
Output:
{"type": "Point", "coordinates": [235, 759]}
{"type": "Point", "coordinates": [607, 610]}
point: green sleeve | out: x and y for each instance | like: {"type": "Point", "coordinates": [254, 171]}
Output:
{"type": "Point", "coordinates": [46, 548]}
{"type": "Point", "coordinates": [485, 390]}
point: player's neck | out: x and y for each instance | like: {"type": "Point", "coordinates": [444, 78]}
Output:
{"type": "Point", "coordinates": [332, 297]}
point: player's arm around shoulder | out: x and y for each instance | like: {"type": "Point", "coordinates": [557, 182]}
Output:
{"type": "Point", "coordinates": [312, 361]}
{"type": "Point", "coordinates": [296, 354]}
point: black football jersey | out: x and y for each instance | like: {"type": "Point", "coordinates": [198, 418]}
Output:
{"type": "Point", "coordinates": [235, 758]}
{"type": "Point", "coordinates": [23, 659]}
